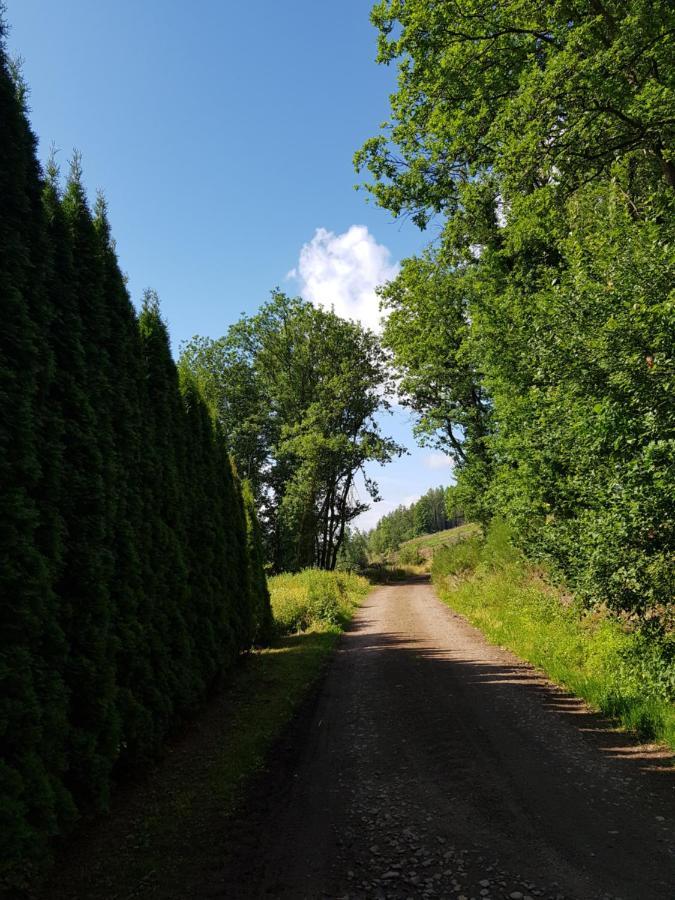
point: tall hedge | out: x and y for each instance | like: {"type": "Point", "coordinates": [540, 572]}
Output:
{"type": "Point", "coordinates": [130, 562]}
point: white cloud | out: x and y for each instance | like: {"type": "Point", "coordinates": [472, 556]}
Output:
{"type": "Point", "coordinates": [437, 461]}
{"type": "Point", "coordinates": [341, 271]}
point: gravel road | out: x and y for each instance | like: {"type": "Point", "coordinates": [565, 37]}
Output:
{"type": "Point", "coordinates": [433, 764]}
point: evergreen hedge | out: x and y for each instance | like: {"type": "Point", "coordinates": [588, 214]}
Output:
{"type": "Point", "coordinates": [131, 566]}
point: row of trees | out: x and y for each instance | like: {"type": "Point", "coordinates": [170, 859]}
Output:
{"type": "Point", "coordinates": [129, 578]}
{"type": "Point", "coordinates": [436, 510]}
{"type": "Point", "coordinates": [297, 389]}
{"type": "Point", "coordinates": [535, 340]}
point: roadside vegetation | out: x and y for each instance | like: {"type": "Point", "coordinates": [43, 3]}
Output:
{"type": "Point", "coordinates": [533, 340]}
{"type": "Point", "coordinates": [205, 776]}
{"type": "Point", "coordinates": [617, 665]}
{"type": "Point", "coordinates": [131, 569]}
{"type": "Point", "coordinates": [145, 501]}
{"type": "Point", "coordinates": [310, 610]}
{"type": "Point", "coordinates": [315, 599]}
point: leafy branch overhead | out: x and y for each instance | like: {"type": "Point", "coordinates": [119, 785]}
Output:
{"type": "Point", "coordinates": [534, 342]}
{"type": "Point", "coordinates": [538, 93]}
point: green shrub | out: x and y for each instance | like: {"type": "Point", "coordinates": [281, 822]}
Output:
{"type": "Point", "coordinates": [457, 559]}
{"type": "Point", "coordinates": [353, 553]}
{"type": "Point", "coordinates": [409, 555]}
{"type": "Point", "coordinates": [315, 599]}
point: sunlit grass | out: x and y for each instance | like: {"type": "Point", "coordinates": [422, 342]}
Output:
{"type": "Point", "coordinates": [416, 554]}
{"type": "Point", "coordinates": [616, 669]}
{"type": "Point", "coordinates": [315, 599]}
{"type": "Point", "coordinates": [442, 538]}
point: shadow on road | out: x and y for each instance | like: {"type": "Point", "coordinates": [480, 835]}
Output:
{"type": "Point", "coordinates": [499, 683]}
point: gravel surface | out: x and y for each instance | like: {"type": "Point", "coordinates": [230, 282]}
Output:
{"type": "Point", "coordinates": [433, 764]}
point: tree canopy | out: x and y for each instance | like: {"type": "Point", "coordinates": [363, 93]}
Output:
{"type": "Point", "coordinates": [529, 92]}
{"type": "Point", "coordinates": [297, 390]}
{"type": "Point", "coordinates": [541, 137]}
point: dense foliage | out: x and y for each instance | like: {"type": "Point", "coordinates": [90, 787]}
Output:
{"type": "Point", "coordinates": [296, 390]}
{"type": "Point", "coordinates": [535, 340]}
{"type": "Point", "coordinates": [436, 510]}
{"type": "Point", "coordinates": [353, 555]}
{"type": "Point", "coordinates": [129, 581]}
{"type": "Point", "coordinates": [315, 599]}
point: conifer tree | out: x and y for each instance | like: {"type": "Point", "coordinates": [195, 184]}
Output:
{"type": "Point", "coordinates": [127, 589]}
{"type": "Point", "coordinates": [50, 533]}
{"type": "Point", "coordinates": [87, 510]}
{"type": "Point", "coordinates": [202, 501]}
{"type": "Point", "coordinates": [29, 636]}
{"type": "Point", "coordinates": [235, 550]}
{"type": "Point", "coordinates": [165, 568]}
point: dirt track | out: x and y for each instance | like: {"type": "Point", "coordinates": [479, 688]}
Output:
{"type": "Point", "coordinates": [436, 765]}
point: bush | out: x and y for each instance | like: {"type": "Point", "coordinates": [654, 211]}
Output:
{"type": "Point", "coordinates": [315, 599]}
{"type": "Point", "coordinates": [409, 555]}
{"type": "Point", "coordinates": [457, 559]}
{"type": "Point", "coordinates": [353, 553]}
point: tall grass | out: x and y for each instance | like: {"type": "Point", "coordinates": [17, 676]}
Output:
{"type": "Point", "coordinates": [315, 600]}
{"type": "Point", "coordinates": [625, 672]}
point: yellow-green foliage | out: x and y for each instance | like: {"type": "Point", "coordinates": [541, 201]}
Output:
{"type": "Point", "coordinates": [419, 551]}
{"type": "Point", "coordinates": [624, 673]}
{"type": "Point", "coordinates": [410, 556]}
{"type": "Point", "coordinates": [441, 538]}
{"type": "Point", "coordinates": [315, 599]}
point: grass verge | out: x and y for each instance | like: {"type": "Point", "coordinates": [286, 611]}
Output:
{"type": "Point", "coordinates": [621, 671]}
{"type": "Point", "coordinates": [165, 831]}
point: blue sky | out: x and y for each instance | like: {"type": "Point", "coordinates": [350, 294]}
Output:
{"type": "Point", "coordinates": [222, 135]}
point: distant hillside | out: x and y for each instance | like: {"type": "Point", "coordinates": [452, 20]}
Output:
{"type": "Point", "coordinates": [428, 543]}
{"type": "Point", "coordinates": [419, 551]}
